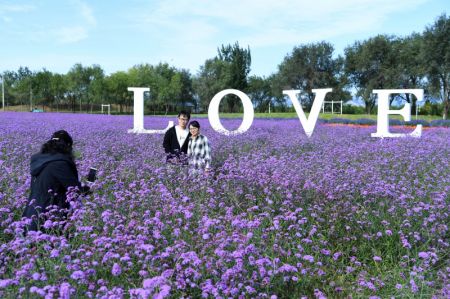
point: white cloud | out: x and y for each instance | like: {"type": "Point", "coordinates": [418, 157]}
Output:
{"type": "Point", "coordinates": [73, 34]}
{"type": "Point", "coordinates": [87, 12]}
{"type": "Point", "coordinates": [6, 8]}
{"type": "Point", "coordinates": [76, 33]}
{"type": "Point", "coordinates": [6, 19]}
{"type": "Point", "coordinates": [267, 22]}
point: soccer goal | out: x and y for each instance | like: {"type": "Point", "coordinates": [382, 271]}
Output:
{"type": "Point", "coordinates": [109, 108]}
{"type": "Point", "coordinates": [333, 105]}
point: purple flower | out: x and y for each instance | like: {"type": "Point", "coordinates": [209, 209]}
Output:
{"type": "Point", "coordinates": [64, 290]}
{"type": "Point", "coordinates": [77, 275]}
{"type": "Point", "coordinates": [377, 259]}
{"type": "Point", "coordinates": [424, 255]}
{"type": "Point", "coordinates": [5, 283]}
{"type": "Point", "coordinates": [116, 270]}
{"type": "Point", "coordinates": [38, 291]}
{"type": "Point", "coordinates": [36, 276]}
{"type": "Point", "coordinates": [308, 258]}
{"type": "Point", "coordinates": [154, 282]}
{"type": "Point", "coordinates": [414, 287]}
{"type": "Point", "coordinates": [54, 253]}
{"type": "Point", "coordinates": [163, 293]}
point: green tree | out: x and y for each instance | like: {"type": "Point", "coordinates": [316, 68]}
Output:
{"type": "Point", "coordinates": [372, 64]}
{"type": "Point", "coordinates": [209, 81]}
{"type": "Point", "coordinates": [96, 88]}
{"type": "Point", "coordinates": [169, 84]}
{"type": "Point", "coordinates": [169, 87]}
{"type": "Point", "coordinates": [436, 56]}
{"type": "Point", "coordinates": [237, 62]}
{"type": "Point", "coordinates": [116, 86]}
{"type": "Point", "coordinates": [229, 69]}
{"type": "Point", "coordinates": [42, 88]}
{"type": "Point", "coordinates": [309, 67]}
{"type": "Point", "coordinates": [58, 87]}
{"type": "Point", "coordinates": [410, 65]}
{"type": "Point", "coordinates": [187, 89]}
{"type": "Point", "coordinates": [83, 82]}
{"type": "Point", "coordinates": [259, 91]}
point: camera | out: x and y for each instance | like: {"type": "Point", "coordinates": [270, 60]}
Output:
{"type": "Point", "coordinates": [92, 176]}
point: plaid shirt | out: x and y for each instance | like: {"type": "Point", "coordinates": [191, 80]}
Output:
{"type": "Point", "coordinates": [199, 152]}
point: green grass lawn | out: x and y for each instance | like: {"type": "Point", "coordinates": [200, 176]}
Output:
{"type": "Point", "coordinates": [322, 116]}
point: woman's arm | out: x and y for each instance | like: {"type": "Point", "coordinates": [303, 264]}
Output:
{"type": "Point", "coordinates": [207, 154]}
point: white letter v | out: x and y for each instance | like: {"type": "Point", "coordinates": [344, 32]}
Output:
{"type": "Point", "coordinates": [308, 124]}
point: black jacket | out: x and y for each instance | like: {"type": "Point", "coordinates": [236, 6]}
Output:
{"type": "Point", "coordinates": [56, 172]}
{"type": "Point", "coordinates": [171, 144]}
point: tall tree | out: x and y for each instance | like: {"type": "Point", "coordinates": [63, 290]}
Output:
{"type": "Point", "coordinates": [117, 90]}
{"type": "Point", "coordinates": [229, 69]}
{"type": "Point", "coordinates": [410, 65]}
{"type": "Point", "coordinates": [42, 88]}
{"type": "Point", "coordinates": [187, 89]}
{"type": "Point", "coordinates": [372, 64]}
{"type": "Point", "coordinates": [308, 67]}
{"type": "Point", "coordinates": [82, 83]}
{"type": "Point", "coordinates": [436, 55]}
{"type": "Point", "coordinates": [237, 63]}
{"type": "Point", "coordinates": [58, 86]}
{"type": "Point", "coordinates": [209, 81]}
{"type": "Point", "coordinates": [259, 91]}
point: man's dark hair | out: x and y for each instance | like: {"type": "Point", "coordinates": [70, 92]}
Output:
{"type": "Point", "coordinates": [185, 113]}
{"type": "Point", "coordinates": [195, 124]}
{"type": "Point", "coordinates": [60, 142]}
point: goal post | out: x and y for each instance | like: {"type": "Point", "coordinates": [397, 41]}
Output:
{"type": "Point", "coordinates": [333, 103]}
{"type": "Point", "coordinates": [109, 108]}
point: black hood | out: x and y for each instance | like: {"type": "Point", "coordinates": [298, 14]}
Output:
{"type": "Point", "coordinates": [40, 161]}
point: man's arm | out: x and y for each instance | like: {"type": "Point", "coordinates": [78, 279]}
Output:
{"type": "Point", "coordinates": [166, 142]}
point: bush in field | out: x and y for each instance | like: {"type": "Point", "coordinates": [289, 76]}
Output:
{"type": "Point", "coordinates": [440, 123]}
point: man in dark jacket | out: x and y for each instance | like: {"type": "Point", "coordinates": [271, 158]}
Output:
{"type": "Point", "coordinates": [53, 171]}
{"type": "Point", "coordinates": [176, 139]}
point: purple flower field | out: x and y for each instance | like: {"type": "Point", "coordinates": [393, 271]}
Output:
{"type": "Point", "coordinates": [340, 214]}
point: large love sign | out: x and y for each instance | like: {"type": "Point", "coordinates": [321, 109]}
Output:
{"type": "Point", "coordinates": [308, 123]}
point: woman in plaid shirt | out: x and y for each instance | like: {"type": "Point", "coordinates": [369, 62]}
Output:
{"type": "Point", "coordinates": [199, 150]}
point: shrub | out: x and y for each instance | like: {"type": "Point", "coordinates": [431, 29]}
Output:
{"type": "Point", "coordinates": [440, 123]}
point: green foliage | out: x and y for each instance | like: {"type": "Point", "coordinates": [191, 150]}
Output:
{"type": "Point", "coordinates": [351, 109]}
{"type": "Point", "coordinates": [169, 87]}
{"type": "Point", "coordinates": [309, 67]}
{"type": "Point", "coordinates": [229, 69]}
{"type": "Point", "coordinates": [260, 93]}
{"type": "Point", "coordinates": [117, 89]}
{"type": "Point", "coordinates": [436, 56]}
{"type": "Point", "coordinates": [372, 64]}
{"type": "Point", "coordinates": [431, 109]}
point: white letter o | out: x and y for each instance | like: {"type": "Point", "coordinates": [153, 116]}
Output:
{"type": "Point", "coordinates": [213, 112]}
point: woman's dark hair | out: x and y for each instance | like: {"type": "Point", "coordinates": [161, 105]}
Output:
{"type": "Point", "coordinates": [195, 124]}
{"type": "Point", "coordinates": [60, 142]}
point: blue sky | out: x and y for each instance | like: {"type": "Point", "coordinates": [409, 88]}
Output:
{"type": "Point", "coordinates": [119, 34]}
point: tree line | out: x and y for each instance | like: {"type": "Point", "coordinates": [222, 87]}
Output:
{"type": "Point", "coordinates": [420, 60]}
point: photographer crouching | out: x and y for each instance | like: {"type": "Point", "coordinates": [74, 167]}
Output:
{"type": "Point", "coordinates": [53, 172]}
